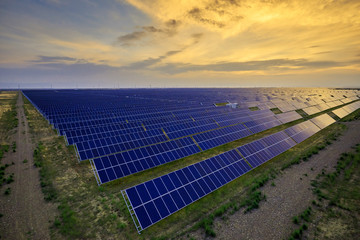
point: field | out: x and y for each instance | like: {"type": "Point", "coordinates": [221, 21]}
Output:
{"type": "Point", "coordinates": [67, 203]}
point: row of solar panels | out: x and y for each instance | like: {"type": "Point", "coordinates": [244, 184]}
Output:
{"type": "Point", "coordinates": [92, 118]}
{"type": "Point", "coordinates": [118, 165]}
{"type": "Point", "coordinates": [81, 134]}
{"type": "Point", "coordinates": [141, 140]}
{"type": "Point", "coordinates": [158, 198]}
{"type": "Point", "coordinates": [346, 110]}
{"type": "Point", "coordinates": [93, 138]}
{"type": "Point", "coordinates": [117, 143]}
{"type": "Point", "coordinates": [325, 106]}
{"type": "Point", "coordinates": [158, 154]}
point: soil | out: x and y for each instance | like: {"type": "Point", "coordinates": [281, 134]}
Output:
{"type": "Point", "coordinates": [290, 196]}
{"type": "Point", "coordinates": [26, 215]}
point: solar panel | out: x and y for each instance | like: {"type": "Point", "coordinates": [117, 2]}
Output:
{"type": "Point", "coordinates": [323, 120]}
{"type": "Point", "coordinates": [158, 198]}
{"type": "Point", "coordinates": [162, 196]}
{"type": "Point", "coordinates": [346, 110]}
{"type": "Point", "coordinates": [302, 131]}
{"type": "Point", "coordinates": [311, 110]}
{"type": "Point", "coordinates": [115, 166]}
{"type": "Point", "coordinates": [340, 112]}
{"type": "Point", "coordinates": [288, 117]}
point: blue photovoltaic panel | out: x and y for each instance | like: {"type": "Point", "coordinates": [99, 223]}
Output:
{"type": "Point", "coordinates": [288, 116]}
{"type": "Point", "coordinates": [323, 120]}
{"type": "Point", "coordinates": [302, 131]}
{"type": "Point", "coordinates": [138, 162]}
{"type": "Point", "coordinates": [122, 164]}
{"type": "Point", "coordinates": [162, 196]}
{"type": "Point", "coordinates": [262, 150]}
{"type": "Point", "coordinates": [104, 146]}
{"type": "Point", "coordinates": [346, 110]}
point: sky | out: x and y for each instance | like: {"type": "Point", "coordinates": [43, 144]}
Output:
{"type": "Point", "coordinates": [179, 43]}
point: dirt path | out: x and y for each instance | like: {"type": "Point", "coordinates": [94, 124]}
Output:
{"type": "Point", "coordinates": [290, 196]}
{"type": "Point", "coordinates": [26, 214]}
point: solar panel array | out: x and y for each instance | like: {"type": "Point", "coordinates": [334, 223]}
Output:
{"type": "Point", "coordinates": [160, 155]}
{"type": "Point", "coordinates": [122, 164]}
{"type": "Point", "coordinates": [346, 110]}
{"type": "Point", "coordinates": [154, 200]}
{"type": "Point", "coordinates": [105, 125]}
{"type": "Point", "coordinates": [127, 131]}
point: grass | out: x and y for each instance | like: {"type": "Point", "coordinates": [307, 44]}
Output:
{"type": "Point", "coordinates": [25, 161]}
{"type": "Point", "coordinates": [275, 110]}
{"type": "Point", "coordinates": [221, 104]}
{"type": "Point", "coordinates": [302, 113]}
{"type": "Point", "coordinates": [295, 220]}
{"type": "Point", "coordinates": [254, 108]}
{"type": "Point", "coordinates": [10, 179]}
{"type": "Point", "coordinates": [8, 119]}
{"type": "Point", "coordinates": [3, 150]}
{"type": "Point", "coordinates": [337, 217]}
{"type": "Point", "coordinates": [102, 211]}
{"type": "Point", "coordinates": [46, 182]}
{"type": "Point", "coordinates": [68, 223]}
{"type": "Point", "coordinates": [299, 220]}
{"type": "Point", "coordinates": [13, 146]}
{"type": "Point", "coordinates": [7, 191]}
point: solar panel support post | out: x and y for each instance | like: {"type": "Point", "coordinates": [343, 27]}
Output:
{"type": "Point", "coordinates": [77, 153]}
{"type": "Point", "coordinates": [93, 169]}
{"type": "Point", "coordinates": [131, 211]}
{"type": "Point", "coordinates": [66, 139]}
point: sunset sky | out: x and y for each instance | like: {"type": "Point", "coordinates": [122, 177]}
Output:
{"type": "Point", "coordinates": [179, 43]}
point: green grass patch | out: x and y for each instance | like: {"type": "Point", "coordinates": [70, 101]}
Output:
{"type": "Point", "coordinates": [13, 146]}
{"type": "Point", "coordinates": [221, 104]}
{"type": "Point", "coordinates": [3, 150]}
{"type": "Point", "coordinates": [8, 120]}
{"type": "Point", "coordinates": [254, 108]}
{"type": "Point", "coordinates": [7, 191]}
{"type": "Point", "coordinates": [302, 113]}
{"type": "Point", "coordinates": [68, 223]}
{"type": "Point", "coordinates": [45, 174]}
{"type": "Point", "coordinates": [275, 110]}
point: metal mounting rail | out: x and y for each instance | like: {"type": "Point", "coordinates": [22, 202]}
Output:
{"type": "Point", "coordinates": [132, 212]}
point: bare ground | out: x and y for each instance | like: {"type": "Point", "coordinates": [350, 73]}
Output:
{"type": "Point", "coordinates": [26, 214]}
{"type": "Point", "coordinates": [290, 196]}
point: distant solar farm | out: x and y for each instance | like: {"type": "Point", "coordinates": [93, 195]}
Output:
{"type": "Point", "coordinates": [126, 131]}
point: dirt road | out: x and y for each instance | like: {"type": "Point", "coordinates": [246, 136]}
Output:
{"type": "Point", "coordinates": [26, 215]}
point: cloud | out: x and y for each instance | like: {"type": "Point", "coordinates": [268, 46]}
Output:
{"type": "Point", "coordinates": [150, 61]}
{"type": "Point", "coordinates": [325, 52]}
{"type": "Point", "coordinates": [51, 59]}
{"type": "Point", "coordinates": [169, 30]}
{"type": "Point", "coordinates": [197, 37]}
{"type": "Point", "coordinates": [172, 23]}
{"type": "Point", "coordinates": [128, 39]}
{"type": "Point", "coordinates": [265, 65]}
{"type": "Point", "coordinates": [151, 29]}
{"type": "Point", "coordinates": [198, 15]}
